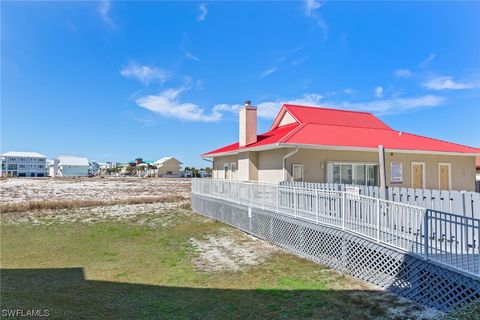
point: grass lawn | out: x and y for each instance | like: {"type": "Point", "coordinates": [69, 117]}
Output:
{"type": "Point", "coordinates": [129, 270]}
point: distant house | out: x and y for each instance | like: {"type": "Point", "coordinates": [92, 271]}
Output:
{"type": "Point", "coordinates": [338, 146]}
{"type": "Point", "coordinates": [70, 166]}
{"type": "Point", "coordinates": [168, 167]}
{"type": "Point", "coordinates": [94, 168]}
{"type": "Point", "coordinates": [23, 164]}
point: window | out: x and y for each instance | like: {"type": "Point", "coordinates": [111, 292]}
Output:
{"type": "Point", "coordinates": [297, 172]}
{"type": "Point", "coordinates": [372, 175]}
{"type": "Point", "coordinates": [364, 174]}
{"type": "Point", "coordinates": [225, 171]}
{"type": "Point", "coordinates": [359, 174]}
{"type": "Point", "coordinates": [233, 168]}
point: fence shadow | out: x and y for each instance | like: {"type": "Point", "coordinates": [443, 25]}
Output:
{"type": "Point", "coordinates": [67, 294]}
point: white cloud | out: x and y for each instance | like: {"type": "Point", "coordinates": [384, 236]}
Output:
{"type": "Point", "coordinates": [311, 6]}
{"type": "Point", "coordinates": [298, 62]}
{"type": "Point", "coordinates": [203, 12]}
{"type": "Point", "coordinates": [269, 109]}
{"type": "Point", "coordinates": [311, 10]}
{"type": "Point", "coordinates": [427, 61]}
{"type": "Point", "coordinates": [267, 72]}
{"type": "Point", "coordinates": [349, 91]}
{"type": "Point", "coordinates": [378, 92]}
{"type": "Point", "coordinates": [104, 11]}
{"type": "Point", "coordinates": [144, 74]}
{"type": "Point", "coordinates": [167, 104]}
{"type": "Point", "coordinates": [447, 83]}
{"type": "Point", "coordinates": [191, 56]}
{"type": "Point", "coordinates": [403, 73]}
{"type": "Point", "coordinates": [392, 106]}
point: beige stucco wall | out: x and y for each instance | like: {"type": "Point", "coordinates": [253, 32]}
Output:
{"type": "Point", "coordinates": [218, 165]}
{"type": "Point", "coordinates": [269, 166]}
{"type": "Point", "coordinates": [462, 167]}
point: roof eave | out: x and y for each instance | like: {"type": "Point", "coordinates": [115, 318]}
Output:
{"type": "Point", "coordinates": [340, 148]}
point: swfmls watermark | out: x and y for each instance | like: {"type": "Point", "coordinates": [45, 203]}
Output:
{"type": "Point", "coordinates": [31, 313]}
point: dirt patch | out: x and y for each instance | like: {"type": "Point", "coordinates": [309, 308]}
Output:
{"type": "Point", "coordinates": [24, 190]}
{"type": "Point", "coordinates": [396, 307]}
{"type": "Point", "coordinates": [228, 253]}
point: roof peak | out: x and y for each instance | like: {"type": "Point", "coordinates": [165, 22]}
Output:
{"type": "Point", "coordinates": [326, 108]}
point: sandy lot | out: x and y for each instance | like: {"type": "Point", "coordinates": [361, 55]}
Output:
{"type": "Point", "coordinates": [23, 189]}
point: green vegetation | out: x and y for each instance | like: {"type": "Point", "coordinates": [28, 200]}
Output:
{"type": "Point", "coordinates": [469, 312]}
{"type": "Point", "coordinates": [126, 270]}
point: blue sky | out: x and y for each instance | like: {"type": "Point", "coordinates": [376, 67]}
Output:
{"type": "Point", "coordinates": [117, 80]}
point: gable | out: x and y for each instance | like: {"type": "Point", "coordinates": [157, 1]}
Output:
{"type": "Point", "coordinates": [284, 117]}
{"type": "Point", "coordinates": [287, 119]}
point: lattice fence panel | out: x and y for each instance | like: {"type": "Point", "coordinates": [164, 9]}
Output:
{"type": "Point", "coordinates": [396, 271]}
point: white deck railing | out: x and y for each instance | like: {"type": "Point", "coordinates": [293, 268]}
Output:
{"type": "Point", "coordinates": [451, 239]}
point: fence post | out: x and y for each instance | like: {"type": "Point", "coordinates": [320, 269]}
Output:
{"type": "Point", "coordinates": [316, 203]}
{"type": "Point", "coordinates": [344, 209]}
{"type": "Point", "coordinates": [278, 196]}
{"type": "Point", "coordinates": [295, 200]}
{"type": "Point", "coordinates": [478, 246]}
{"type": "Point", "coordinates": [263, 197]}
{"type": "Point", "coordinates": [425, 231]}
{"type": "Point", "coordinates": [378, 219]}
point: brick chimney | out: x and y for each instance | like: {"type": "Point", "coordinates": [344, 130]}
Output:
{"type": "Point", "coordinates": [248, 124]}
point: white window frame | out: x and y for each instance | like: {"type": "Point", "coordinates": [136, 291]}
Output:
{"type": "Point", "coordinates": [226, 167]}
{"type": "Point", "coordinates": [332, 163]}
{"type": "Point", "coordinates": [449, 174]}
{"type": "Point", "coordinates": [233, 170]}
{"type": "Point", "coordinates": [424, 178]}
{"type": "Point", "coordinates": [293, 170]}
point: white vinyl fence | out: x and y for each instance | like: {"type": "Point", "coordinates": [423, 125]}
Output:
{"type": "Point", "coordinates": [444, 237]}
{"type": "Point", "coordinates": [464, 203]}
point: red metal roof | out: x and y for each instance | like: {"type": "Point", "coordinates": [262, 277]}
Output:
{"type": "Point", "coordinates": [333, 117]}
{"type": "Point", "coordinates": [342, 128]}
{"type": "Point", "coordinates": [270, 137]}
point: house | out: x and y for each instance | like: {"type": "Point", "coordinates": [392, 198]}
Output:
{"type": "Point", "coordinates": [94, 168]}
{"type": "Point", "coordinates": [326, 145]}
{"type": "Point", "coordinates": [23, 164]}
{"type": "Point", "coordinates": [70, 166]}
{"type": "Point", "coordinates": [168, 166]}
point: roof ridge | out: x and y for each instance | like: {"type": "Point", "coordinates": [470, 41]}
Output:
{"type": "Point", "coordinates": [292, 133]}
{"type": "Point", "coordinates": [351, 126]}
{"type": "Point", "coordinates": [325, 108]}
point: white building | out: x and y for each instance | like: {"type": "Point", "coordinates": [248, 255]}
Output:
{"type": "Point", "coordinates": [52, 167]}
{"type": "Point", "coordinates": [70, 166]}
{"type": "Point", "coordinates": [23, 164]}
